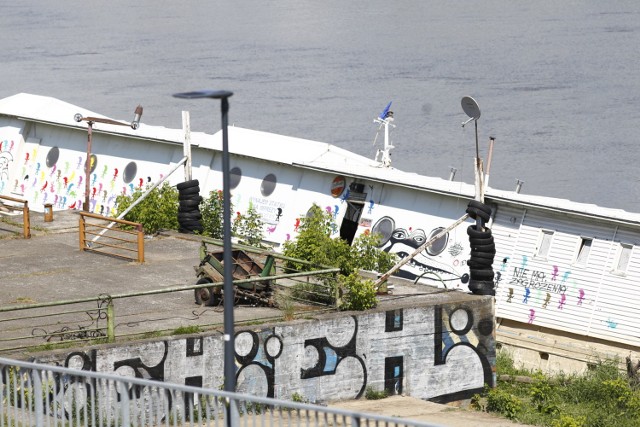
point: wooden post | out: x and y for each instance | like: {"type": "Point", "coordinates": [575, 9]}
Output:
{"type": "Point", "coordinates": [26, 221]}
{"type": "Point", "coordinates": [186, 125]}
{"type": "Point", "coordinates": [111, 320]}
{"type": "Point", "coordinates": [81, 231]}
{"type": "Point", "coordinates": [140, 244]}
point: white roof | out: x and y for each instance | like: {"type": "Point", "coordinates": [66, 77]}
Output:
{"type": "Point", "coordinates": [293, 151]}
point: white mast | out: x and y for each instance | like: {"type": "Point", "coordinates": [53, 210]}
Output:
{"type": "Point", "coordinates": [384, 119]}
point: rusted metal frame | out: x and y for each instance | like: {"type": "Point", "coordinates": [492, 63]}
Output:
{"type": "Point", "coordinates": [97, 251]}
{"type": "Point", "coordinates": [117, 230]}
{"type": "Point", "coordinates": [26, 221]}
{"type": "Point", "coordinates": [139, 232]}
{"type": "Point", "coordinates": [114, 238]}
{"type": "Point", "coordinates": [104, 218]}
{"type": "Point", "coordinates": [110, 320]}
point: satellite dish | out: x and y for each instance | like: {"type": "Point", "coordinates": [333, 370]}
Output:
{"type": "Point", "coordinates": [471, 109]}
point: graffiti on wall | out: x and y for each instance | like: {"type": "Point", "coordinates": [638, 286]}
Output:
{"type": "Point", "coordinates": [540, 288]}
{"type": "Point", "coordinates": [428, 264]}
{"type": "Point", "coordinates": [331, 359]}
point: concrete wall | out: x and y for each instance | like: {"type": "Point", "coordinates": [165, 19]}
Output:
{"type": "Point", "coordinates": [443, 351]}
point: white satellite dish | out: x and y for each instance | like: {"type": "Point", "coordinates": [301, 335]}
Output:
{"type": "Point", "coordinates": [471, 109]}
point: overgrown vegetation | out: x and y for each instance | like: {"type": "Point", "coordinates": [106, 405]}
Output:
{"type": "Point", "coordinates": [603, 396]}
{"type": "Point", "coordinates": [158, 211]}
{"type": "Point", "coordinates": [315, 244]}
{"type": "Point", "coordinates": [372, 394]}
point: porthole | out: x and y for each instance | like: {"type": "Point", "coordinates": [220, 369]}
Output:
{"type": "Point", "coordinates": [439, 245]}
{"type": "Point", "coordinates": [130, 172]}
{"type": "Point", "coordinates": [268, 185]}
{"type": "Point", "coordinates": [384, 227]}
{"type": "Point", "coordinates": [52, 156]}
{"type": "Point", "coordinates": [235, 175]}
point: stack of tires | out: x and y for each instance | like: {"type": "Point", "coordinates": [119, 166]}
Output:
{"type": "Point", "coordinates": [189, 216]}
{"type": "Point", "coordinates": [483, 250]}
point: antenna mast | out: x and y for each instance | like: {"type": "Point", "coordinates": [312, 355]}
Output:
{"type": "Point", "coordinates": [384, 119]}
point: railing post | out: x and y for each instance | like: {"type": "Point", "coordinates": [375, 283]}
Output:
{"type": "Point", "coordinates": [81, 231]}
{"type": "Point", "coordinates": [26, 221]}
{"type": "Point", "coordinates": [111, 320]}
{"type": "Point", "coordinates": [37, 397]}
{"type": "Point", "coordinates": [140, 243]}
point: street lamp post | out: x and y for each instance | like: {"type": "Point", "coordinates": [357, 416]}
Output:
{"type": "Point", "coordinates": [90, 121]}
{"type": "Point", "coordinates": [229, 350]}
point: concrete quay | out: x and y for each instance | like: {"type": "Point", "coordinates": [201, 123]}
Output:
{"type": "Point", "coordinates": [51, 267]}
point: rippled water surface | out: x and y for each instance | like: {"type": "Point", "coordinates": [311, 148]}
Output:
{"type": "Point", "coordinates": [557, 81]}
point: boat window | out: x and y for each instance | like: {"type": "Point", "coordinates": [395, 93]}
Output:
{"type": "Point", "coordinates": [52, 156]}
{"type": "Point", "coordinates": [624, 255]}
{"type": "Point", "coordinates": [384, 227]}
{"type": "Point", "coordinates": [235, 175]}
{"type": "Point", "coordinates": [583, 251]}
{"type": "Point", "coordinates": [268, 185]}
{"type": "Point", "coordinates": [439, 245]}
{"type": "Point", "coordinates": [545, 243]}
{"type": "Point", "coordinates": [130, 172]}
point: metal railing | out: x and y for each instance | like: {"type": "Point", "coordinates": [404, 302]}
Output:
{"type": "Point", "coordinates": [44, 395]}
{"type": "Point", "coordinates": [109, 317]}
{"type": "Point", "coordinates": [115, 241]}
{"type": "Point", "coordinates": [26, 224]}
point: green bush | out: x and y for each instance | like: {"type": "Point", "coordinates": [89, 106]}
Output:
{"type": "Point", "coordinates": [360, 294]}
{"type": "Point", "coordinates": [211, 209]}
{"type": "Point", "coordinates": [371, 394]}
{"type": "Point", "coordinates": [504, 403]}
{"type": "Point", "coordinates": [315, 244]}
{"type": "Point", "coordinates": [158, 211]}
{"type": "Point", "coordinates": [249, 227]}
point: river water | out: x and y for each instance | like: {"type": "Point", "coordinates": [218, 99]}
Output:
{"type": "Point", "coordinates": [557, 82]}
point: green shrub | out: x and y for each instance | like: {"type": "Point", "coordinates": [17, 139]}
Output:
{"type": "Point", "coordinates": [569, 421]}
{"type": "Point", "coordinates": [360, 294]}
{"type": "Point", "coordinates": [315, 244]}
{"type": "Point", "coordinates": [211, 209]}
{"type": "Point", "coordinates": [504, 403]}
{"type": "Point", "coordinates": [158, 211]}
{"type": "Point", "coordinates": [371, 394]}
{"type": "Point", "coordinates": [249, 227]}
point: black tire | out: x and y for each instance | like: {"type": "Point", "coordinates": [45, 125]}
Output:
{"type": "Point", "coordinates": [189, 191]}
{"type": "Point", "coordinates": [476, 213]}
{"type": "Point", "coordinates": [487, 249]}
{"type": "Point", "coordinates": [190, 224]}
{"type": "Point", "coordinates": [188, 196]}
{"type": "Point", "coordinates": [205, 295]}
{"type": "Point", "coordinates": [475, 234]}
{"type": "Point", "coordinates": [482, 287]}
{"type": "Point", "coordinates": [477, 274]}
{"type": "Point", "coordinates": [190, 209]}
{"type": "Point", "coordinates": [189, 216]}
{"type": "Point", "coordinates": [188, 184]}
{"type": "Point", "coordinates": [487, 255]}
{"type": "Point", "coordinates": [191, 203]}
{"type": "Point", "coordinates": [480, 206]}
{"type": "Point", "coordinates": [476, 242]}
{"type": "Point", "coordinates": [479, 263]}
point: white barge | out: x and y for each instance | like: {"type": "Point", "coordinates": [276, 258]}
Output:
{"type": "Point", "coordinates": [566, 273]}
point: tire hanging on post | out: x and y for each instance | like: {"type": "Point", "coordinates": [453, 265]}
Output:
{"type": "Point", "coordinates": [189, 216]}
{"type": "Point", "coordinates": [483, 250]}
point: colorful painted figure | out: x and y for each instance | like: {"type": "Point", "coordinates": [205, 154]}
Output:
{"type": "Point", "coordinates": [547, 300]}
{"type": "Point", "coordinates": [563, 300]}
